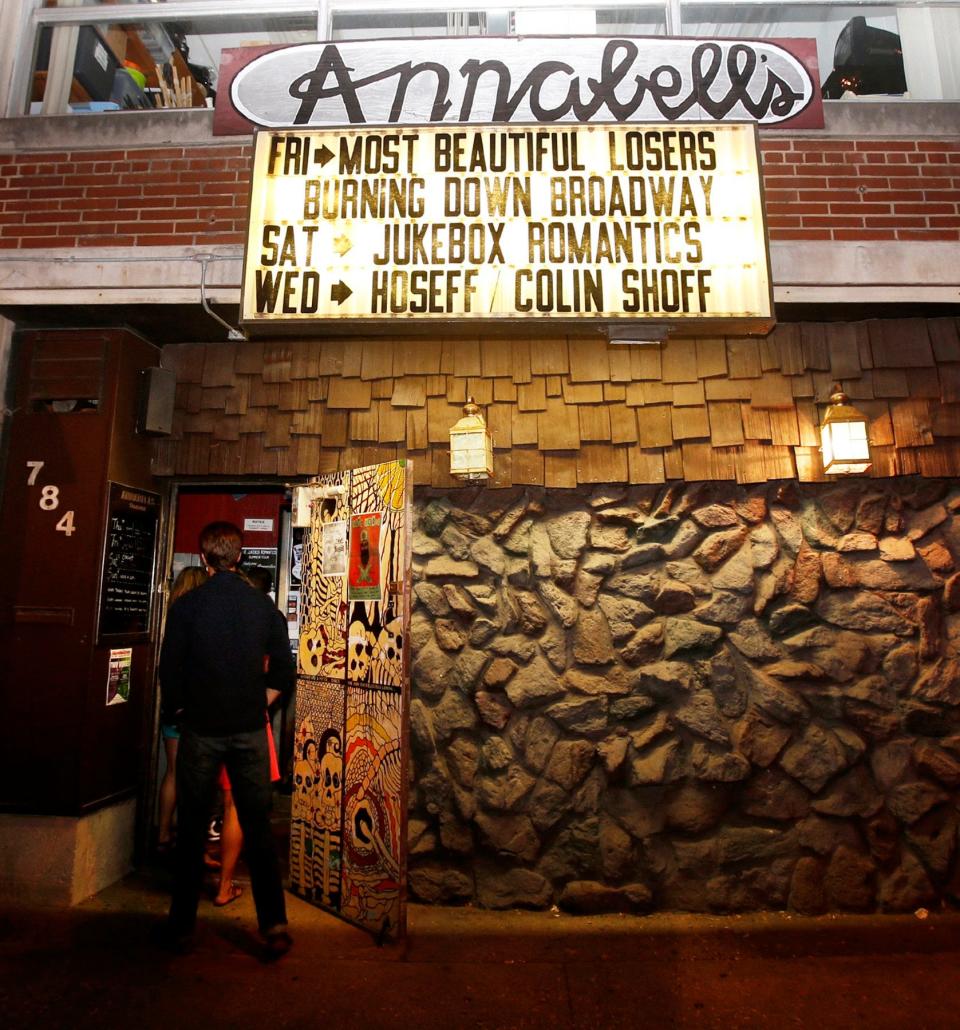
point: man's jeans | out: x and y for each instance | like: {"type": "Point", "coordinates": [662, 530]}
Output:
{"type": "Point", "coordinates": [247, 759]}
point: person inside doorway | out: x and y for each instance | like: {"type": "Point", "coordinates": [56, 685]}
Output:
{"type": "Point", "coordinates": [213, 679]}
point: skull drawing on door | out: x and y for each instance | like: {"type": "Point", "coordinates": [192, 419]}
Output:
{"type": "Point", "coordinates": [348, 830]}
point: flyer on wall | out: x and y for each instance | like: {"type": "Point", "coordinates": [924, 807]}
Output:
{"type": "Point", "coordinates": [363, 578]}
{"type": "Point", "coordinates": [334, 549]}
{"type": "Point", "coordinates": [118, 675]}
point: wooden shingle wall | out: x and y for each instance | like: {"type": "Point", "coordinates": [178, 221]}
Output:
{"type": "Point", "coordinates": [566, 411]}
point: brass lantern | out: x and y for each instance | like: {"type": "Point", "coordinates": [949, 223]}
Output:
{"type": "Point", "coordinates": [471, 446]}
{"type": "Point", "coordinates": [843, 433]}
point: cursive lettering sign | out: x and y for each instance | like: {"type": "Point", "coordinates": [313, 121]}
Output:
{"type": "Point", "coordinates": [523, 79]}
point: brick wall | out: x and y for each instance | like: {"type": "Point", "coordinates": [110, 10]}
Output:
{"type": "Point", "coordinates": [817, 189]}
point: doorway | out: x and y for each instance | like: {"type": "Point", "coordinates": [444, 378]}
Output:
{"type": "Point", "coordinates": [271, 556]}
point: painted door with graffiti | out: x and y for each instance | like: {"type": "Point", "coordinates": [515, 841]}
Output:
{"type": "Point", "coordinates": [350, 771]}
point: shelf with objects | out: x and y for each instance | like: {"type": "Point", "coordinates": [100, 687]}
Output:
{"type": "Point", "coordinates": [124, 68]}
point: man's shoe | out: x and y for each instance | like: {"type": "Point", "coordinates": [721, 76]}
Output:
{"type": "Point", "coordinates": [276, 945]}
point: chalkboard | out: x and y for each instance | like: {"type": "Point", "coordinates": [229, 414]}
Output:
{"type": "Point", "coordinates": [126, 591]}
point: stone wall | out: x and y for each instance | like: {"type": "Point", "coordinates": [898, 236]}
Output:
{"type": "Point", "coordinates": [697, 697]}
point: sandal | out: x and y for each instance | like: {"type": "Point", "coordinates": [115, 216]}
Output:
{"type": "Point", "coordinates": [235, 892]}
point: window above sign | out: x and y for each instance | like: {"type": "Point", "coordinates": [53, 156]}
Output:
{"type": "Point", "coordinates": [139, 55]}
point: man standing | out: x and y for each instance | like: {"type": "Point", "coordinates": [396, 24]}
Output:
{"type": "Point", "coordinates": [224, 649]}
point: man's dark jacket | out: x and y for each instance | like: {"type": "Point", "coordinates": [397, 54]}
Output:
{"type": "Point", "coordinates": [212, 677]}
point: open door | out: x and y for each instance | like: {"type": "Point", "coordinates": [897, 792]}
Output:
{"type": "Point", "coordinates": [348, 848]}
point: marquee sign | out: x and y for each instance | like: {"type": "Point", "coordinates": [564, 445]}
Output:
{"type": "Point", "coordinates": [579, 223]}
{"type": "Point", "coordinates": [480, 80]}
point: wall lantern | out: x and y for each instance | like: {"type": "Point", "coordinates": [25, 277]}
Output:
{"type": "Point", "coordinates": [844, 436]}
{"type": "Point", "coordinates": [471, 445]}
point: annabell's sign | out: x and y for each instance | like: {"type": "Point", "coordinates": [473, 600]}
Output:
{"type": "Point", "coordinates": [520, 80]}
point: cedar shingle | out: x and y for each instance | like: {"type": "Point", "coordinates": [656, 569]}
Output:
{"type": "Point", "coordinates": [500, 423]}
{"type": "Point", "coordinates": [520, 352]}
{"type": "Point", "coordinates": [410, 392]}
{"type": "Point", "coordinates": [304, 359]}
{"type": "Point", "coordinates": [945, 421]}
{"type": "Point", "coordinates": [589, 362]}
{"type": "Point", "coordinates": [376, 359]}
{"type": "Point", "coordinates": [620, 365]}
{"type": "Point", "coordinates": [880, 424]}
{"type": "Point", "coordinates": [911, 423]}
{"type": "Point", "coordinates": [525, 428]}
{"type": "Point", "coordinates": [249, 359]}
{"type": "Point", "coordinates": [711, 357]}
{"type": "Point", "coordinates": [558, 427]}
{"type": "Point", "coordinates": [646, 362]}
{"type": "Point", "coordinates": [645, 466]}
{"type": "Point", "coordinates": [185, 359]}
{"type": "Point", "coordinates": [728, 389]}
{"type": "Point", "coordinates": [349, 393]}
{"type": "Point", "coordinates": [790, 348]}
{"type": "Point", "coordinates": [655, 425]}
{"type": "Point", "coordinates": [802, 385]}
{"type": "Point", "coordinates": [756, 422]}
{"type": "Point", "coordinates": [527, 466]}
{"type": "Point", "coordinates": [944, 338]}
{"type": "Point", "coordinates": [900, 343]}
{"type": "Point", "coordinates": [505, 390]}
{"type": "Point", "coordinates": [364, 426]}
{"type": "Point", "coordinates": [808, 424]}
{"type": "Point", "coordinates": [276, 363]}
{"type": "Point", "coordinates": [690, 423]}
{"type": "Point", "coordinates": [330, 359]}
{"type": "Point", "coordinates": [816, 352]}
{"type": "Point", "coordinates": [218, 365]}
{"type": "Point", "coordinates": [441, 415]}
{"type": "Point", "coordinates": [949, 383]}
{"type": "Point", "coordinates": [726, 426]}
{"type": "Point", "coordinates": [582, 393]}
{"type": "Point", "coordinates": [678, 361]}
{"type": "Point", "coordinates": [481, 390]}
{"type": "Point", "coordinates": [560, 471]}
{"type": "Point", "coordinates": [673, 462]}
{"type": "Point", "coordinates": [548, 357]}
{"type": "Point", "coordinates": [623, 424]}
{"type": "Point", "coordinates": [594, 422]}
{"type": "Point", "coordinates": [467, 361]}
{"type": "Point", "coordinates": [784, 428]}
{"type": "Point", "coordinates": [923, 382]}
{"type": "Point", "coordinates": [743, 359]}
{"type": "Point", "coordinates": [417, 429]}
{"type": "Point", "coordinates": [844, 350]}
{"type": "Point", "coordinates": [890, 382]}
{"type": "Point", "coordinates": [697, 462]}
{"type": "Point", "coordinates": [688, 395]}
{"type": "Point", "coordinates": [533, 395]}
{"type": "Point", "coordinates": [602, 463]}
{"type": "Point", "coordinates": [421, 358]}
{"type": "Point", "coordinates": [772, 390]}
{"type": "Point", "coordinates": [456, 389]}
{"type": "Point", "coordinates": [496, 358]}
{"type": "Point", "coordinates": [334, 433]}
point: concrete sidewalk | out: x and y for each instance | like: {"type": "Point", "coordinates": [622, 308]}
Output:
{"type": "Point", "coordinates": [95, 966]}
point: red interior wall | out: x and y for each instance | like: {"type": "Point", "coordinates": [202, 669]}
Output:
{"type": "Point", "coordinates": [194, 511]}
